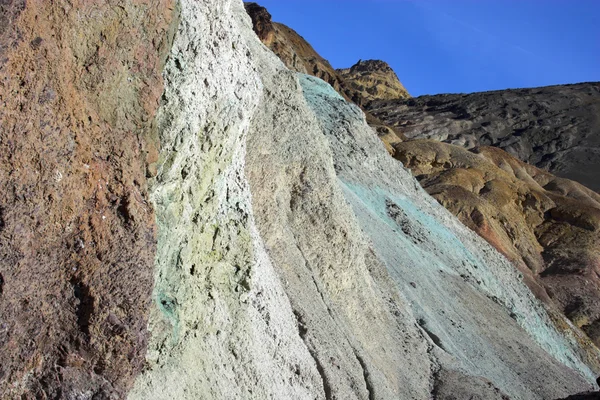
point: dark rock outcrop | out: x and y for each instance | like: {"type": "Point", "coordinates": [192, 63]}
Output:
{"type": "Point", "coordinates": [556, 128]}
{"type": "Point", "coordinates": [79, 87]}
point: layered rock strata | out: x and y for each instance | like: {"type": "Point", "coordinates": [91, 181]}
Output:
{"type": "Point", "coordinates": [79, 87]}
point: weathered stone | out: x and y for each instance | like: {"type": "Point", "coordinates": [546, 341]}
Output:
{"type": "Point", "coordinates": [79, 87]}
{"type": "Point", "coordinates": [296, 259]}
{"type": "Point", "coordinates": [371, 80]}
{"type": "Point", "coordinates": [547, 226]}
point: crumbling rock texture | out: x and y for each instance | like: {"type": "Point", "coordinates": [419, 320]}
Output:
{"type": "Point", "coordinates": [296, 259]}
{"type": "Point", "coordinates": [372, 80]}
{"type": "Point", "coordinates": [547, 226]}
{"type": "Point", "coordinates": [556, 128]}
{"type": "Point", "coordinates": [79, 87]}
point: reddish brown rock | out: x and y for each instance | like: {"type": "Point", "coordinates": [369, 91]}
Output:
{"type": "Point", "coordinates": [79, 87]}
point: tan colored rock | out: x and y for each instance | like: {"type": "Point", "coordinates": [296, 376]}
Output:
{"type": "Point", "coordinates": [372, 80]}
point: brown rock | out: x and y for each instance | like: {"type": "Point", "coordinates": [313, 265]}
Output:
{"type": "Point", "coordinates": [79, 86]}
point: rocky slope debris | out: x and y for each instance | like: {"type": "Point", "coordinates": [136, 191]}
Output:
{"type": "Point", "coordinates": [79, 87]}
{"type": "Point", "coordinates": [556, 128]}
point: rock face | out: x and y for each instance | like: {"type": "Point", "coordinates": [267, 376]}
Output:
{"type": "Point", "coordinates": [295, 52]}
{"type": "Point", "coordinates": [372, 80]}
{"type": "Point", "coordinates": [293, 257]}
{"type": "Point", "coordinates": [296, 259]}
{"type": "Point", "coordinates": [555, 128]}
{"type": "Point", "coordinates": [547, 226]}
{"type": "Point", "coordinates": [79, 87]}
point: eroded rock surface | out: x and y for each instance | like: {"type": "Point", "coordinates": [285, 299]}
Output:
{"type": "Point", "coordinates": [547, 226]}
{"type": "Point", "coordinates": [79, 87]}
{"type": "Point", "coordinates": [556, 128]}
{"type": "Point", "coordinates": [292, 257]}
{"type": "Point", "coordinates": [296, 259]}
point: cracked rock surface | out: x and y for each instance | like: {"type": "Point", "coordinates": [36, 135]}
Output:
{"type": "Point", "coordinates": [79, 87]}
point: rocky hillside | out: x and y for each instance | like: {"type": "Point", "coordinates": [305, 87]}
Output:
{"type": "Point", "coordinates": [247, 237]}
{"type": "Point", "coordinates": [555, 128]}
{"type": "Point", "coordinates": [360, 84]}
{"type": "Point", "coordinates": [547, 226]}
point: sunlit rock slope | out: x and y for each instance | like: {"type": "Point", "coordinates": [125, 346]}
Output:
{"type": "Point", "coordinates": [547, 226]}
{"type": "Point", "coordinates": [296, 259]}
{"type": "Point", "coordinates": [247, 238]}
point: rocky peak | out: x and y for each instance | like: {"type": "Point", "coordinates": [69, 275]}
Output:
{"type": "Point", "coordinates": [261, 22]}
{"type": "Point", "coordinates": [370, 66]}
{"type": "Point", "coordinates": [372, 80]}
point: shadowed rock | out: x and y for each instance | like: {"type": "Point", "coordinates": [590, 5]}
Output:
{"type": "Point", "coordinates": [556, 128]}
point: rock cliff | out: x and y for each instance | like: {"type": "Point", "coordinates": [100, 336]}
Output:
{"type": "Point", "coordinates": [287, 254]}
{"type": "Point", "coordinates": [532, 217]}
{"type": "Point", "coordinates": [296, 259]}
{"type": "Point", "coordinates": [556, 128]}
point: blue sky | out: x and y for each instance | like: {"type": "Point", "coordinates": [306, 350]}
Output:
{"type": "Point", "coordinates": [455, 46]}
